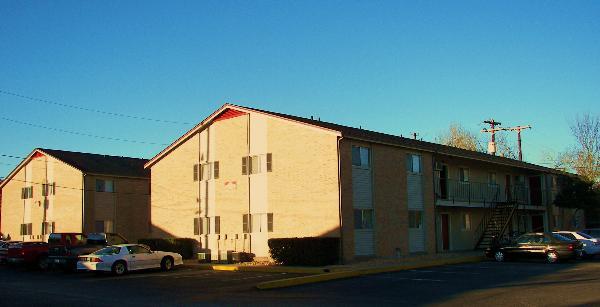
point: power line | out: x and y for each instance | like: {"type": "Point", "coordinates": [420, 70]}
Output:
{"type": "Point", "coordinates": [64, 105]}
{"type": "Point", "coordinates": [79, 133]}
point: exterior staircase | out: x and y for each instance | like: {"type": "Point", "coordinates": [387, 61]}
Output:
{"type": "Point", "coordinates": [494, 224]}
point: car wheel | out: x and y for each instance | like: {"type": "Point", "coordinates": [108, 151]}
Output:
{"type": "Point", "coordinates": [499, 256]}
{"type": "Point", "coordinates": [551, 257]}
{"type": "Point", "coordinates": [42, 263]}
{"type": "Point", "coordinates": [119, 268]}
{"type": "Point", "coordinates": [167, 264]}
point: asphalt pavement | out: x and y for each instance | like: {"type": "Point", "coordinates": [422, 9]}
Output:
{"type": "Point", "coordinates": [484, 283]}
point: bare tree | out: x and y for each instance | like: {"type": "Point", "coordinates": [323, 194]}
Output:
{"type": "Point", "coordinates": [458, 136]}
{"type": "Point", "coordinates": [584, 157]}
{"type": "Point", "coordinates": [504, 147]}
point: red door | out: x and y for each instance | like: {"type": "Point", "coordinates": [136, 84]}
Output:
{"type": "Point", "coordinates": [445, 232]}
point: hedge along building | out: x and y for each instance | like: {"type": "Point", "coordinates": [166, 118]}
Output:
{"type": "Point", "coordinates": [63, 191]}
{"type": "Point", "coordinates": [243, 175]}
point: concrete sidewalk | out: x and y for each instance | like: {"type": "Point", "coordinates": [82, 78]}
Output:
{"type": "Point", "coordinates": [325, 273]}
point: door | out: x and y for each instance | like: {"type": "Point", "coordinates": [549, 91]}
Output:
{"type": "Point", "coordinates": [445, 232]}
{"type": "Point", "coordinates": [141, 257]}
{"type": "Point", "coordinates": [537, 223]}
{"type": "Point", "coordinates": [537, 248]}
{"type": "Point", "coordinates": [535, 190]}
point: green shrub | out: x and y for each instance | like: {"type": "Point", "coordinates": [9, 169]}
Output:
{"type": "Point", "coordinates": [310, 251]}
{"type": "Point", "coordinates": [183, 246]}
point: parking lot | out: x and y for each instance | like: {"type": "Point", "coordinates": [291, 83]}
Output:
{"type": "Point", "coordinates": [485, 283]}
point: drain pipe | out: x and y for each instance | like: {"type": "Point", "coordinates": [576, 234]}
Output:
{"type": "Point", "coordinates": [340, 200]}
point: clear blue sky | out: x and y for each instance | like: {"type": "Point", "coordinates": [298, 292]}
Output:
{"type": "Point", "coordinates": [390, 66]}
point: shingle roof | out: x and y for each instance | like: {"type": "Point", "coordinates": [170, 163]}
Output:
{"type": "Point", "coordinates": [101, 164]}
{"type": "Point", "coordinates": [378, 137]}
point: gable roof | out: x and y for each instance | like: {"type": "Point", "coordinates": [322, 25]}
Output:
{"type": "Point", "coordinates": [363, 135]}
{"type": "Point", "coordinates": [98, 164]}
{"type": "Point", "coordinates": [89, 163]}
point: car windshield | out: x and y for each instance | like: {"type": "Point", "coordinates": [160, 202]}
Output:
{"type": "Point", "coordinates": [110, 250]}
{"type": "Point", "coordinates": [69, 239]}
{"type": "Point", "coordinates": [584, 235]}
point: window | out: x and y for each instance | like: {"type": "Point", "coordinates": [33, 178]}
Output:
{"type": "Point", "coordinates": [104, 186]}
{"type": "Point", "coordinates": [363, 218]}
{"type": "Point", "coordinates": [246, 223]}
{"type": "Point", "coordinates": [257, 164]}
{"type": "Point", "coordinates": [270, 222]}
{"type": "Point", "coordinates": [492, 178]}
{"type": "Point", "coordinates": [463, 174]}
{"type": "Point", "coordinates": [48, 228]}
{"type": "Point", "coordinates": [361, 156]}
{"type": "Point", "coordinates": [466, 221]}
{"type": "Point", "coordinates": [413, 163]}
{"type": "Point", "coordinates": [520, 180]}
{"type": "Point", "coordinates": [202, 225]}
{"type": "Point", "coordinates": [48, 189]}
{"type": "Point", "coordinates": [415, 219]}
{"type": "Point", "coordinates": [138, 249]}
{"type": "Point", "coordinates": [254, 164]}
{"type": "Point", "coordinates": [104, 226]}
{"type": "Point", "coordinates": [206, 171]}
{"type": "Point", "coordinates": [196, 177]}
{"type": "Point", "coordinates": [26, 229]}
{"type": "Point", "coordinates": [557, 223]}
{"type": "Point", "coordinates": [27, 192]}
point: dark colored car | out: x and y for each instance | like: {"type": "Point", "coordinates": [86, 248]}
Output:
{"type": "Point", "coordinates": [548, 246]}
{"type": "Point", "coordinates": [31, 253]}
{"type": "Point", "coordinates": [65, 255]}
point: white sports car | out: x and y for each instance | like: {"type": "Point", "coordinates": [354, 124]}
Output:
{"type": "Point", "coordinates": [119, 259]}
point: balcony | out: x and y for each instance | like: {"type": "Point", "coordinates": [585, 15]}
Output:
{"type": "Point", "coordinates": [450, 191]}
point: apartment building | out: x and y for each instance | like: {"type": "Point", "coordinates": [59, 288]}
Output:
{"type": "Point", "coordinates": [242, 176]}
{"type": "Point", "coordinates": [63, 191]}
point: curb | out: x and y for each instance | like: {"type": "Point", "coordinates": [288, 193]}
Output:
{"type": "Point", "coordinates": [266, 269]}
{"type": "Point", "coordinates": [289, 282]}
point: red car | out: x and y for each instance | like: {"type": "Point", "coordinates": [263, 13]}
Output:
{"type": "Point", "coordinates": [32, 253]}
{"type": "Point", "coordinates": [36, 253]}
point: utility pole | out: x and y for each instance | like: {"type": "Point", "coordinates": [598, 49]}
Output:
{"type": "Point", "coordinates": [492, 131]}
{"type": "Point", "coordinates": [518, 129]}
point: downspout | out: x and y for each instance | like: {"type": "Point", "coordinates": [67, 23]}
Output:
{"type": "Point", "coordinates": [83, 202]}
{"type": "Point", "coordinates": [340, 200]}
{"type": "Point", "coordinates": [435, 211]}
{"type": "Point", "coordinates": [249, 169]}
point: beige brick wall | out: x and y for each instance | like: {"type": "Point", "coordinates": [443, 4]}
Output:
{"type": "Point", "coordinates": [64, 206]}
{"type": "Point", "coordinates": [303, 187]}
{"type": "Point", "coordinates": [174, 194]}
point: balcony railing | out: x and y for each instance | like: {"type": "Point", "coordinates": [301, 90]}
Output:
{"type": "Point", "coordinates": [479, 192]}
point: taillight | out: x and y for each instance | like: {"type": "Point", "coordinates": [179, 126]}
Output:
{"type": "Point", "coordinates": [95, 260]}
{"type": "Point", "coordinates": [571, 247]}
